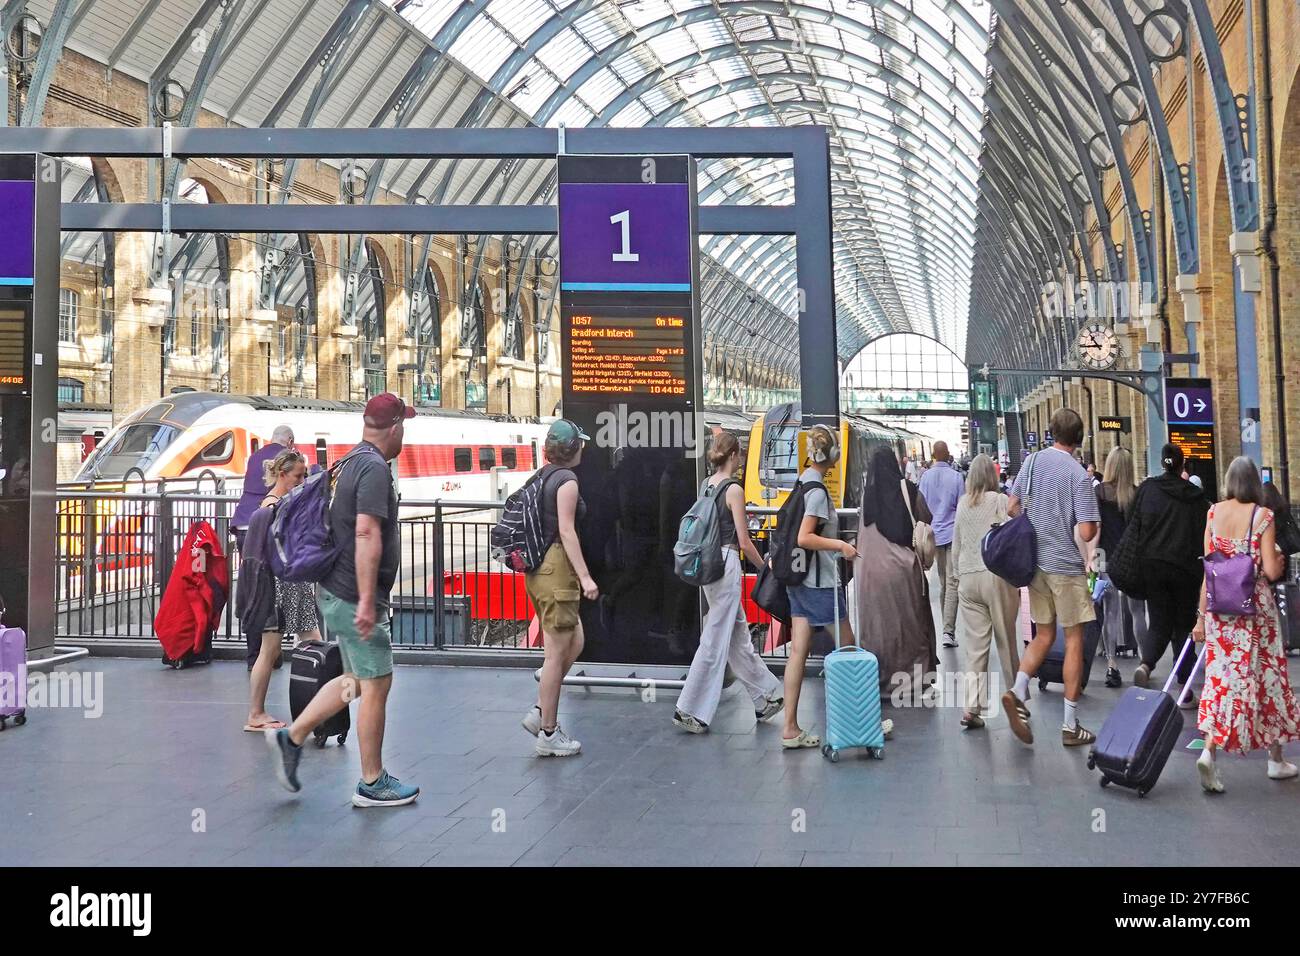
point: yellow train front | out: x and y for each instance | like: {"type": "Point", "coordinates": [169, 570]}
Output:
{"type": "Point", "coordinates": [774, 461]}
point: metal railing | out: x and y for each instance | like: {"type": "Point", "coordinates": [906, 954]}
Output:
{"type": "Point", "coordinates": [117, 551]}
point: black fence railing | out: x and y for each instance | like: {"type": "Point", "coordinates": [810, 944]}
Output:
{"type": "Point", "coordinates": [117, 551]}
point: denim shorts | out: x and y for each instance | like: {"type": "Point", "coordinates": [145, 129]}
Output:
{"type": "Point", "coordinates": [817, 604]}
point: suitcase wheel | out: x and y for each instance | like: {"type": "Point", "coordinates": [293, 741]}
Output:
{"type": "Point", "coordinates": [1042, 684]}
{"type": "Point", "coordinates": [876, 753]}
{"type": "Point", "coordinates": [1105, 782]}
{"type": "Point", "coordinates": [320, 741]}
{"type": "Point", "coordinates": [20, 720]}
{"type": "Point", "coordinates": [830, 753]}
{"type": "Point", "coordinates": [1092, 762]}
{"type": "Point", "coordinates": [1143, 791]}
{"type": "Point", "coordinates": [343, 738]}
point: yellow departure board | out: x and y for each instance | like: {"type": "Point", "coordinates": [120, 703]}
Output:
{"type": "Point", "coordinates": [627, 354]}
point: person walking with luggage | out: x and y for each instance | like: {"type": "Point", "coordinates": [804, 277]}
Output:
{"type": "Point", "coordinates": [942, 487]}
{"type": "Point", "coordinates": [1170, 516]}
{"type": "Point", "coordinates": [268, 606]}
{"type": "Point", "coordinates": [724, 633]}
{"type": "Point", "coordinates": [557, 586]}
{"type": "Point", "coordinates": [256, 484]}
{"type": "Point", "coordinates": [891, 591]}
{"type": "Point", "coordinates": [819, 600]}
{"type": "Point", "coordinates": [989, 604]}
{"type": "Point", "coordinates": [355, 605]}
{"type": "Point", "coordinates": [1247, 703]}
{"type": "Point", "coordinates": [1123, 617]}
{"type": "Point", "coordinates": [1054, 490]}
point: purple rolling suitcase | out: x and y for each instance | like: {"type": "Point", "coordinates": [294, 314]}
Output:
{"type": "Point", "coordinates": [13, 675]}
{"type": "Point", "coordinates": [1139, 735]}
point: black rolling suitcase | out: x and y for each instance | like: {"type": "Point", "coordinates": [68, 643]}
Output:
{"type": "Point", "coordinates": [1288, 606]}
{"type": "Point", "coordinates": [1139, 735]}
{"type": "Point", "coordinates": [1052, 670]}
{"type": "Point", "coordinates": [316, 663]}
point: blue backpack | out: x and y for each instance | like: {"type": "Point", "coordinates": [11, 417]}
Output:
{"type": "Point", "coordinates": [302, 546]}
{"type": "Point", "coordinates": [1010, 549]}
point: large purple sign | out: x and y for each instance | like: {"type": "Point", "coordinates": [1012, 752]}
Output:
{"type": "Point", "coordinates": [625, 237]}
{"type": "Point", "coordinates": [17, 231]}
{"type": "Point", "coordinates": [1189, 401]}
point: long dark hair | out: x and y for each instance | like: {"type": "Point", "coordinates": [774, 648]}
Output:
{"type": "Point", "coordinates": [882, 498]}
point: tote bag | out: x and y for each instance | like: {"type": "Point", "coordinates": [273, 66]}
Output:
{"type": "Point", "coordinates": [1010, 549]}
{"type": "Point", "coordinates": [922, 534]}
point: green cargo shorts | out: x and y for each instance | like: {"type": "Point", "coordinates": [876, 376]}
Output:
{"type": "Point", "coordinates": [364, 659]}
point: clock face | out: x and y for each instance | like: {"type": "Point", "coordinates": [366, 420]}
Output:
{"type": "Point", "coordinates": [1098, 346]}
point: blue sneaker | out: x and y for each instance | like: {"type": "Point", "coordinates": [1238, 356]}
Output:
{"type": "Point", "coordinates": [387, 791]}
{"type": "Point", "coordinates": [287, 756]}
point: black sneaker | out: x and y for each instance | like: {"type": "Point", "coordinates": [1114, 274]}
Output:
{"type": "Point", "coordinates": [1112, 677]}
{"type": "Point", "coordinates": [287, 755]}
{"type": "Point", "coordinates": [950, 640]}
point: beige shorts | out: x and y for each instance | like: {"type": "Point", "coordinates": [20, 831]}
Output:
{"type": "Point", "coordinates": [555, 592]}
{"type": "Point", "coordinates": [1063, 598]}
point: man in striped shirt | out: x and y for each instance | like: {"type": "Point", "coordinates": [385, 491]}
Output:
{"type": "Point", "coordinates": [1057, 494]}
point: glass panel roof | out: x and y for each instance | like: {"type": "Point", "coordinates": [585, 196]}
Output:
{"type": "Point", "coordinates": [898, 82]}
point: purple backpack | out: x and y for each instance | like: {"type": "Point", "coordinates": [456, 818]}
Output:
{"type": "Point", "coordinates": [302, 546]}
{"type": "Point", "coordinates": [1230, 581]}
{"type": "Point", "coordinates": [1010, 549]}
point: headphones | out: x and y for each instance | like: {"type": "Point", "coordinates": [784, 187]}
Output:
{"type": "Point", "coordinates": [824, 457]}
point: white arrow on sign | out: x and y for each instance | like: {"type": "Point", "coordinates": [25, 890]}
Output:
{"type": "Point", "coordinates": [1200, 404]}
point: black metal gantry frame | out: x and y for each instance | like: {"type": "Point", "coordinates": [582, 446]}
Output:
{"type": "Point", "coordinates": [808, 220]}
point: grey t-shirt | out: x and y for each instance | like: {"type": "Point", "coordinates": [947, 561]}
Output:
{"type": "Point", "coordinates": [816, 502]}
{"type": "Point", "coordinates": [364, 485]}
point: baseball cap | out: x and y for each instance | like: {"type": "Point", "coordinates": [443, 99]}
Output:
{"type": "Point", "coordinates": [565, 432]}
{"type": "Point", "coordinates": [386, 410]}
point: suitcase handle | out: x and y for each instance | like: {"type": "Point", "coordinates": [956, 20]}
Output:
{"type": "Point", "coordinates": [1179, 663]}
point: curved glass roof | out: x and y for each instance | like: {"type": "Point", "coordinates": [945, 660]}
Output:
{"type": "Point", "coordinates": [899, 85]}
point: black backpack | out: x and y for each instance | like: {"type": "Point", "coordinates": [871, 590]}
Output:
{"type": "Point", "coordinates": [790, 562]}
{"type": "Point", "coordinates": [518, 540]}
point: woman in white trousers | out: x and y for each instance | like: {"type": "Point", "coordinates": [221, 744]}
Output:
{"type": "Point", "coordinates": [988, 604]}
{"type": "Point", "coordinates": [724, 635]}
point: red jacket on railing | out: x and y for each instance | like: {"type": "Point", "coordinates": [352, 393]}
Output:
{"type": "Point", "coordinates": [195, 597]}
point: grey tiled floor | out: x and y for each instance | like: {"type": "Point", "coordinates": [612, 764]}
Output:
{"type": "Point", "coordinates": [133, 786]}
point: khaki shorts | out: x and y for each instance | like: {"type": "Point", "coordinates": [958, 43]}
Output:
{"type": "Point", "coordinates": [554, 590]}
{"type": "Point", "coordinates": [1063, 598]}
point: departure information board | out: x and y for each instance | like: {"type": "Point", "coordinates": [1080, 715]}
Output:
{"type": "Point", "coordinates": [631, 379]}
{"type": "Point", "coordinates": [13, 349]}
{"type": "Point", "coordinates": [619, 352]}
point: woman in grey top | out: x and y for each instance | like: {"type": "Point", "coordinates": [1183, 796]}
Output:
{"type": "Point", "coordinates": [988, 603]}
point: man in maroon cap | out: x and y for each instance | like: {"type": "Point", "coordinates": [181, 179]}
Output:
{"type": "Point", "coordinates": [354, 601]}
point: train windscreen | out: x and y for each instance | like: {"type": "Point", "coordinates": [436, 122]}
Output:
{"type": "Point", "coordinates": [778, 465]}
{"type": "Point", "coordinates": [135, 446]}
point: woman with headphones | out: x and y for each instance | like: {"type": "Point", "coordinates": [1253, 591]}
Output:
{"type": "Point", "coordinates": [558, 585]}
{"type": "Point", "coordinates": [819, 600]}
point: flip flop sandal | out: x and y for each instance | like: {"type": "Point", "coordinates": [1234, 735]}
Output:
{"type": "Point", "coordinates": [804, 739]}
{"type": "Point", "coordinates": [262, 727]}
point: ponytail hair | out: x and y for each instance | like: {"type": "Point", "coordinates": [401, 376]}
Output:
{"type": "Point", "coordinates": [281, 464]}
{"type": "Point", "coordinates": [723, 446]}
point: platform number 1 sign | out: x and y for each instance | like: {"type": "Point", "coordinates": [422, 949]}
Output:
{"type": "Point", "coordinates": [626, 255]}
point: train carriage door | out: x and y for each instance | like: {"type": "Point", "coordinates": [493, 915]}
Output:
{"type": "Point", "coordinates": [322, 458]}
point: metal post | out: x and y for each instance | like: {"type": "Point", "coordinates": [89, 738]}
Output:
{"type": "Point", "coordinates": [815, 268]}
{"type": "Point", "coordinates": [439, 598]}
{"type": "Point", "coordinates": [1153, 360]}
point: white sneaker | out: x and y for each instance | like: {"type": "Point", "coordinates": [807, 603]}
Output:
{"type": "Point", "coordinates": [1282, 771]}
{"type": "Point", "coordinates": [556, 744]}
{"type": "Point", "coordinates": [1210, 781]}
{"type": "Point", "coordinates": [688, 723]}
{"type": "Point", "coordinates": [773, 707]}
{"type": "Point", "coordinates": [887, 727]}
{"type": "Point", "coordinates": [532, 721]}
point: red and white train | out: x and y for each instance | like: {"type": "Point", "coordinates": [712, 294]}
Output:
{"type": "Point", "coordinates": [448, 454]}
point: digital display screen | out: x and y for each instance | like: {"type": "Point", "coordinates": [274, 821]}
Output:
{"type": "Point", "coordinates": [1195, 442]}
{"type": "Point", "coordinates": [614, 353]}
{"type": "Point", "coordinates": [1113, 424]}
{"type": "Point", "coordinates": [17, 232]}
{"type": "Point", "coordinates": [13, 350]}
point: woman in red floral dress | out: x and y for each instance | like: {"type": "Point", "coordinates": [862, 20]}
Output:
{"type": "Point", "coordinates": [1247, 702]}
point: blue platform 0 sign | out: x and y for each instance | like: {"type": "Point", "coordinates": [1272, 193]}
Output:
{"type": "Point", "coordinates": [1189, 401]}
{"type": "Point", "coordinates": [1031, 439]}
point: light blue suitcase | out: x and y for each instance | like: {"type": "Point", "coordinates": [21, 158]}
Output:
{"type": "Point", "coordinates": [852, 678]}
